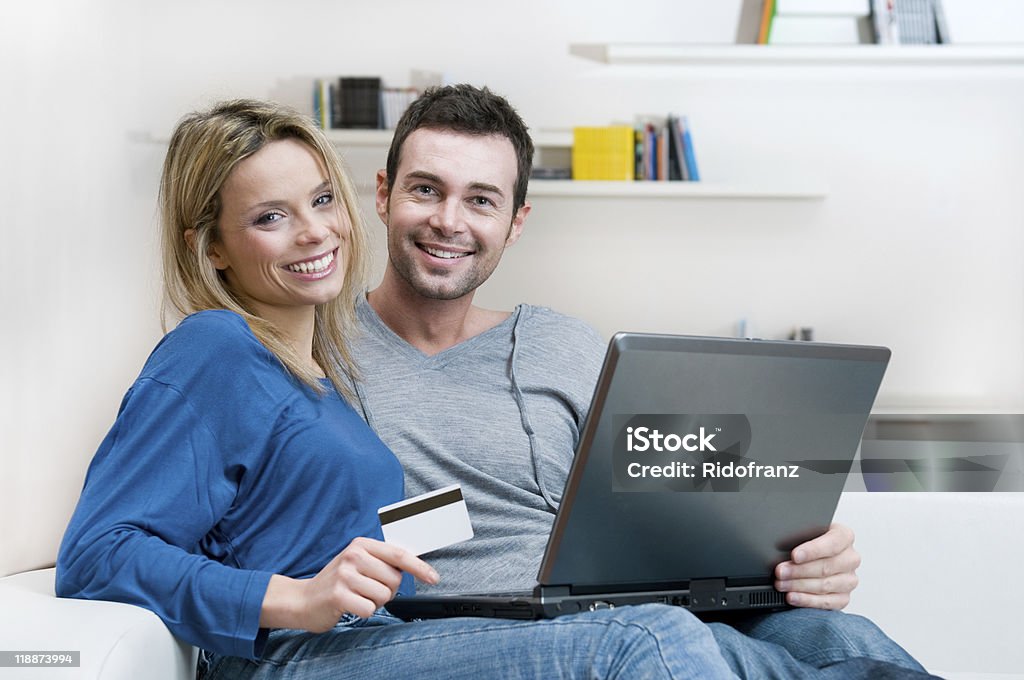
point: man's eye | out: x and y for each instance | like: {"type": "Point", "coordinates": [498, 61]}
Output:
{"type": "Point", "coordinates": [323, 199]}
{"type": "Point", "coordinates": [481, 201]}
{"type": "Point", "coordinates": [424, 190]}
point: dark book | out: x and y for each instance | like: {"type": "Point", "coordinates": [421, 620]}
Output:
{"type": "Point", "coordinates": [335, 106]}
{"type": "Point", "coordinates": [676, 162]}
{"type": "Point", "coordinates": [360, 102]}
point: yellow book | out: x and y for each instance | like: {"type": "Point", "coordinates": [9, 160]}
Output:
{"type": "Point", "coordinates": [603, 152]}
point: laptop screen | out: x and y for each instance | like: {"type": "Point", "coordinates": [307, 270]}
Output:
{"type": "Point", "coordinates": [708, 458]}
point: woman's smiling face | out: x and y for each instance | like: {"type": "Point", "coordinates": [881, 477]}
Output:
{"type": "Point", "coordinates": [281, 233]}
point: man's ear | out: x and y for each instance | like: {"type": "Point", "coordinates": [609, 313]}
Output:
{"type": "Point", "coordinates": [383, 195]}
{"type": "Point", "coordinates": [515, 230]}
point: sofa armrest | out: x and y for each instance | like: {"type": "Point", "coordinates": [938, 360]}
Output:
{"type": "Point", "coordinates": [940, 576]}
{"type": "Point", "coordinates": [116, 641]}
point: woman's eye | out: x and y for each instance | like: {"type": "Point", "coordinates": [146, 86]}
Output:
{"type": "Point", "coordinates": [323, 199]}
{"type": "Point", "coordinates": [268, 218]}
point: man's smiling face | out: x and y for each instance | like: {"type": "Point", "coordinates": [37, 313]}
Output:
{"type": "Point", "coordinates": [449, 214]}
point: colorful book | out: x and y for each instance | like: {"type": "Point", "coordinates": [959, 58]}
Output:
{"type": "Point", "coordinates": [767, 12]}
{"type": "Point", "coordinates": [322, 103]}
{"type": "Point", "coordinates": [688, 152]}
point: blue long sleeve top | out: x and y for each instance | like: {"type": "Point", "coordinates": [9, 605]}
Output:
{"type": "Point", "coordinates": [219, 471]}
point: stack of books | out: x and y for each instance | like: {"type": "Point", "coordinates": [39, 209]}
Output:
{"type": "Point", "coordinates": [656, 148]}
{"type": "Point", "coordinates": [909, 22]}
{"type": "Point", "coordinates": [841, 22]}
{"type": "Point", "coordinates": [359, 102]}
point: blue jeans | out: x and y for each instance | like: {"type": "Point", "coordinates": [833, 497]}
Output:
{"type": "Point", "coordinates": [645, 641]}
{"type": "Point", "coordinates": [812, 643]}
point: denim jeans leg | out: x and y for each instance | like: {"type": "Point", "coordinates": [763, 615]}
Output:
{"type": "Point", "coordinates": [646, 641]}
{"type": "Point", "coordinates": [822, 638]}
{"type": "Point", "coordinates": [797, 643]}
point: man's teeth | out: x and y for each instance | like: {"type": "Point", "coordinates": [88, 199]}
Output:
{"type": "Point", "coordinates": [314, 266]}
{"type": "Point", "coordinates": [446, 254]}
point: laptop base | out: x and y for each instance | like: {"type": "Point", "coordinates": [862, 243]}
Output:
{"type": "Point", "coordinates": [706, 597]}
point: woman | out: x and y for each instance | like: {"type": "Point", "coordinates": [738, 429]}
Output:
{"type": "Point", "coordinates": [236, 493]}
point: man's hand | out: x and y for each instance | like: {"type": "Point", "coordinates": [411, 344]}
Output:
{"type": "Point", "coordinates": [359, 580]}
{"type": "Point", "coordinates": [821, 573]}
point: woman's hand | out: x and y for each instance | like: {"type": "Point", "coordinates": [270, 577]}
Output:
{"type": "Point", "coordinates": [359, 580]}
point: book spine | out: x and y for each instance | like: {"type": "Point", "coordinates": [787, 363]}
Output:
{"type": "Point", "coordinates": [317, 104]}
{"type": "Point", "coordinates": [749, 25]}
{"type": "Point", "coordinates": [677, 131]}
{"type": "Point", "coordinates": [691, 157]}
{"type": "Point", "coordinates": [675, 151]}
{"type": "Point", "coordinates": [767, 13]}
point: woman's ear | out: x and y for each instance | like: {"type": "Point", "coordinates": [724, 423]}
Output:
{"type": "Point", "coordinates": [212, 252]}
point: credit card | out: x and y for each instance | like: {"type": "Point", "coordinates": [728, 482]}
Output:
{"type": "Point", "coordinates": [427, 522]}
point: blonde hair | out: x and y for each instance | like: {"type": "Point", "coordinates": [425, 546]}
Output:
{"type": "Point", "coordinates": [204, 149]}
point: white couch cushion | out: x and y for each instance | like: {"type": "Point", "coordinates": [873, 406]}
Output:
{"type": "Point", "coordinates": [116, 641]}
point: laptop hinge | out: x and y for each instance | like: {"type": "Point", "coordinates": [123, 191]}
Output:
{"type": "Point", "coordinates": [552, 591]}
{"type": "Point", "coordinates": [707, 591]}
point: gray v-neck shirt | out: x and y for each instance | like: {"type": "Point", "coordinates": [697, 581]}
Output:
{"type": "Point", "coordinates": [500, 414]}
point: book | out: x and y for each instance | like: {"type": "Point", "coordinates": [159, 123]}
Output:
{"type": "Point", "coordinates": [394, 101]}
{"type": "Point", "coordinates": [941, 27]}
{"type": "Point", "coordinates": [647, 146]}
{"type": "Point", "coordinates": [749, 25]}
{"type": "Point", "coordinates": [603, 153]}
{"type": "Point", "coordinates": [651, 141]}
{"type": "Point", "coordinates": [322, 103]}
{"type": "Point", "coordinates": [883, 17]}
{"type": "Point", "coordinates": [917, 22]}
{"type": "Point", "coordinates": [807, 29]}
{"type": "Point", "coordinates": [857, 8]}
{"type": "Point", "coordinates": [360, 102]}
{"type": "Point", "coordinates": [335, 106]}
{"type": "Point", "coordinates": [767, 12]}
{"type": "Point", "coordinates": [909, 22]}
{"type": "Point", "coordinates": [676, 162]}
{"type": "Point", "coordinates": [688, 152]}
{"type": "Point", "coordinates": [661, 142]}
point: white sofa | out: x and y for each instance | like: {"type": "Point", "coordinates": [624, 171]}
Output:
{"type": "Point", "coordinates": [941, 575]}
{"type": "Point", "coordinates": [115, 641]}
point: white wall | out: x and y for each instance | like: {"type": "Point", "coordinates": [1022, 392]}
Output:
{"type": "Point", "coordinates": [918, 245]}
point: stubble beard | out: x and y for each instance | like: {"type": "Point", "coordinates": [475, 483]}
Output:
{"type": "Point", "coordinates": [440, 285]}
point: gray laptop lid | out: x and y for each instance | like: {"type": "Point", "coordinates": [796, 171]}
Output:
{"type": "Point", "coordinates": [758, 409]}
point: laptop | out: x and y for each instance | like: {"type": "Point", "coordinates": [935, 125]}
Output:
{"type": "Point", "coordinates": [702, 463]}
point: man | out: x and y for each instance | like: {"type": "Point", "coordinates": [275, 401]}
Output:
{"type": "Point", "coordinates": [495, 400]}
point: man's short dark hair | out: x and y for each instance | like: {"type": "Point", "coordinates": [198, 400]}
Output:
{"type": "Point", "coordinates": [471, 110]}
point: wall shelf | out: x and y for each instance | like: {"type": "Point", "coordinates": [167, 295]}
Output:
{"type": "Point", "coordinates": [803, 55]}
{"type": "Point", "coordinates": [675, 190]}
{"type": "Point", "coordinates": [382, 138]}
{"type": "Point", "coordinates": [562, 139]}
